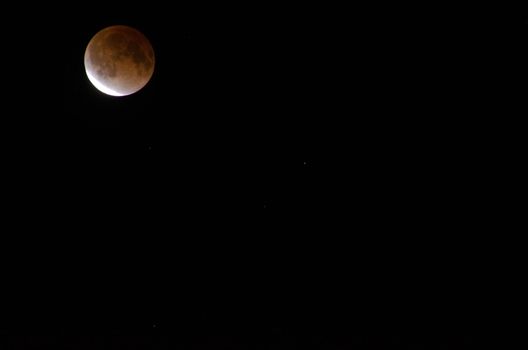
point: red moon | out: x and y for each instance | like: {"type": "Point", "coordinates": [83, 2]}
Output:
{"type": "Point", "coordinates": [119, 60]}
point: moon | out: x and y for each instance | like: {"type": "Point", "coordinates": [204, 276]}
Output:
{"type": "Point", "coordinates": [119, 60]}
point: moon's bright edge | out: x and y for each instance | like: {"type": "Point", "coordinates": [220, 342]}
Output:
{"type": "Point", "coordinates": [101, 87]}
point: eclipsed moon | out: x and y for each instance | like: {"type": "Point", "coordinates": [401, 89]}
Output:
{"type": "Point", "coordinates": [119, 60]}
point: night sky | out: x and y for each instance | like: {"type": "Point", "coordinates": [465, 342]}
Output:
{"type": "Point", "coordinates": [290, 178]}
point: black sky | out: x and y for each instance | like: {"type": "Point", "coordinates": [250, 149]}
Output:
{"type": "Point", "coordinates": [291, 177]}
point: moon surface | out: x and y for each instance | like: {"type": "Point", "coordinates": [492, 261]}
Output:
{"type": "Point", "coordinates": [119, 60]}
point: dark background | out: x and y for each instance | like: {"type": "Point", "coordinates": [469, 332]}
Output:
{"type": "Point", "coordinates": [291, 177]}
